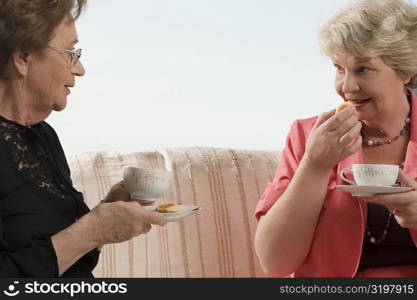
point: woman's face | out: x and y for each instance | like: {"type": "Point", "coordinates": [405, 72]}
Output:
{"type": "Point", "coordinates": [371, 85]}
{"type": "Point", "coordinates": [51, 75]}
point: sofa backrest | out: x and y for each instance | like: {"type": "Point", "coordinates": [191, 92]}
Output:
{"type": "Point", "coordinates": [218, 241]}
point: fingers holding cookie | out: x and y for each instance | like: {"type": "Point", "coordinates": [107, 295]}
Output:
{"type": "Point", "coordinates": [334, 135]}
{"type": "Point", "coordinates": [343, 106]}
{"type": "Point", "coordinates": [351, 135]}
{"type": "Point", "coordinates": [337, 119]}
{"type": "Point", "coordinates": [323, 118]}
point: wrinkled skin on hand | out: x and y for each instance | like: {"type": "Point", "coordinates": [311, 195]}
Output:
{"type": "Point", "coordinates": [333, 138]}
{"type": "Point", "coordinates": [118, 192]}
{"type": "Point", "coordinates": [119, 218]}
{"type": "Point", "coordinates": [119, 221]}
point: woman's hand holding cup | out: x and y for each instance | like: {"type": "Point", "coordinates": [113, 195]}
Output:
{"type": "Point", "coordinates": [146, 185]}
{"type": "Point", "coordinates": [119, 217]}
{"type": "Point", "coordinates": [333, 138]}
{"type": "Point", "coordinates": [117, 192]}
{"type": "Point", "coordinates": [141, 185]}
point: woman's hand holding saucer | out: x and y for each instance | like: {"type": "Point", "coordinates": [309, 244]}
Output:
{"type": "Point", "coordinates": [119, 221]}
{"type": "Point", "coordinates": [402, 205]}
{"type": "Point", "coordinates": [333, 138]}
{"type": "Point", "coordinates": [136, 220]}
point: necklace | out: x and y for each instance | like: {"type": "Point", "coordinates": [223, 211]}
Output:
{"type": "Point", "coordinates": [374, 240]}
{"type": "Point", "coordinates": [404, 131]}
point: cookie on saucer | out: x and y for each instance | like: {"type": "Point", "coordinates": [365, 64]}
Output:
{"type": "Point", "coordinates": [168, 208]}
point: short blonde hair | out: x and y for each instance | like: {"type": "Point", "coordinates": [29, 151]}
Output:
{"type": "Point", "coordinates": [376, 28]}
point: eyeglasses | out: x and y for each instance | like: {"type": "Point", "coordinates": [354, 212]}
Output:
{"type": "Point", "coordinates": [73, 54]}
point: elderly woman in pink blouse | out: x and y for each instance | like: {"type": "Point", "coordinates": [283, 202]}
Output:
{"type": "Point", "coordinates": [309, 228]}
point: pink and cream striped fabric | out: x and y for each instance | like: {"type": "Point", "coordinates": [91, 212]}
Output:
{"type": "Point", "coordinates": [218, 241]}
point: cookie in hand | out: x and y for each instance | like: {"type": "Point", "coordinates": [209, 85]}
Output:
{"type": "Point", "coordinates": [342, 106]}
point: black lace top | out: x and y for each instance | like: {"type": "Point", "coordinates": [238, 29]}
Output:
{"type": "Point", "coordinates": [37, 200]}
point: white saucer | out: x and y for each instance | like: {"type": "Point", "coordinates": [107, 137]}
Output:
{"type": "Point", "coordinates": [172, 217]}
{"type": "Point", "coordinates": [369, 191]}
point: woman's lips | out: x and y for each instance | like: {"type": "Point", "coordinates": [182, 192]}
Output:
{"type": "Point", "coordinates": [360, 103]}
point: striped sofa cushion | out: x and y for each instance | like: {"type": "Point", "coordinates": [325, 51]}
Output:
{"type": "Point", "coordinates": [215, 242]}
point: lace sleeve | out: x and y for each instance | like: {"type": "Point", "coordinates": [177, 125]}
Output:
{"type": "Point", "coordinates": [30, 156]}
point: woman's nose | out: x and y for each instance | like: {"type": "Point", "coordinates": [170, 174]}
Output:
{"type": "Point", "coordinates": [350, 84]}
{"type": "Point", "coordinates": [78, 69]}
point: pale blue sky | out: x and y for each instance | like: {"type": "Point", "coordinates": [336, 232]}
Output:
{"type": "Point", "coordinates": [223, 73]}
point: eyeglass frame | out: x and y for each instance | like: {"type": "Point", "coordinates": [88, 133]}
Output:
{"type": "Point", "coordinates": [75, 54]}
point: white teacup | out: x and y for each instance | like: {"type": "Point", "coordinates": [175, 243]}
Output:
{"type": "Point", "coordinates": [371, 175]}
{"type": "Point", "coordinates": [146, 184]}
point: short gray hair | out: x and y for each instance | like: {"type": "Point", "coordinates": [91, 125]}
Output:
{"type": "Point", "coordinates": [376, 28]}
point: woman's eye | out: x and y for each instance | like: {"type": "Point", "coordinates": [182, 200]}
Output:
{"type": "Point", "coordinates": [339, 69]}
{"type": "Point", "coordinates": [363, 69]}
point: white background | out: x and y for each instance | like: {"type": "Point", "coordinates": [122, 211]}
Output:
{"type": "Point", "coordinates": [222, 73]}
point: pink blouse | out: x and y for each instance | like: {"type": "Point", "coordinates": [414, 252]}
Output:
{"type": "Point", "coordinates": [337, 243]}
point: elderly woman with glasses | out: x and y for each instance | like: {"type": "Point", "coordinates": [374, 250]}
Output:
{"type": "Point", "coordinates": [308, 227]}
{"type": "Point", "coordinates": [46, 229]}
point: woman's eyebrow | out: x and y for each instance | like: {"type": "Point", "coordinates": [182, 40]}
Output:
{"type": "Point", "coordinates": [73, 42]}
{"type": "Point", "coordinates": [362, 60]}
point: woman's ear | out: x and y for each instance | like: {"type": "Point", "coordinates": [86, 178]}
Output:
{"type": "Point", "coordinates": [407, 80]}
{"type": "Point", "coordinates": [20, 61]}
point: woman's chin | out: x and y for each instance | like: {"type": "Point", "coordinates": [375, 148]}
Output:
{"type": "Point", "coordinates": [59, 106]}
{"type": "Point", "coordinates": [366, 116]}
{"type": "Point", "coordinates": [365, 112]}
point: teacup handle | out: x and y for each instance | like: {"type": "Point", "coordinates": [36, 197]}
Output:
{"type": "Point", "coordinates": [342, 175]}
